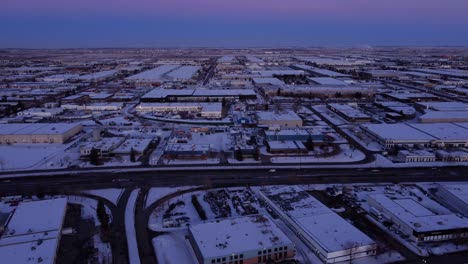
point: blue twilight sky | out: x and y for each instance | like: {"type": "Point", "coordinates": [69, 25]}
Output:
{"type": "Point", "coordinates": [225, 23]}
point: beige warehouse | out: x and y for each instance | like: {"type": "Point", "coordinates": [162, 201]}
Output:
{"type": "Point", "coordinates": [53, 133]}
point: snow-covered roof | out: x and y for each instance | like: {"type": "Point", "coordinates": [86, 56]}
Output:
{"type": "Point", "coordinates": [153, 74]}
{"type": "Point", "coordinates": [326, 81]}
{"type": "Point", "coordinates": [184, 72]}
{"type": "Point", "coordinates": [236, 235]}
{"type": "Point", "coordinates": [443, 131]}
{"type": "Point", "coordinates": [444, 106]}
{"type": "Point", "coordinates": [285, 115]}
{"type": "Point", "coordinates": [36, 129]}
{"type": "Point", "coordinates": [37, 216]}
{"type": "Point", "coordinates": [397, 132]}
{"type": "Point", "coordinates": [324, 226]}
{"type": "Point", "coordinates": [268, 80]}
{"type": "Point", "coordinates": [456, 115]}
{"type": "Point", "coordinates": [96, 75]}
{"type": "Point", "coordinates": [459, 190]}
{"type": "Point", "coordinates": [417, 216]}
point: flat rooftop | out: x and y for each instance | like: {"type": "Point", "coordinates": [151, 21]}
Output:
{"type": "Point", "coordinates": [398, 132]}
{"type": "Point", "coordinates": [36, 129]}
{"type": "Point", "coordinates": [236, 235]}
{"type": "Point", "coordinates": [324, 226]}
{"type": "Point", "coordinates": [419, 217]}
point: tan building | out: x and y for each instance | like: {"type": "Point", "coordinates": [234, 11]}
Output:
{"type": "Point", "coordinates": [54, 133]}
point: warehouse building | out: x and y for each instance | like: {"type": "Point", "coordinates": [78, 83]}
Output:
{"type": "Point", "coordinates": [444, 117]}
{"type": "Point", "coordinates": [206, 110]}
{"type": "Point", "coordinates": [417, 221]}
{"type": "Point", "coordinates": [243, 240]}
{"type": "Point", "coordinates": [427, 135]}
{"type": "Point", "coordinates": [454, 196]}
{"type": "Point", "coordinates": [349, 113]}
{"type": "Point", "coordinates": [33, 232]}
{"type": "Point", "coordinates": [56, 133]}
{"type": "Point", "coordinates": [331, 237]}
{"type": "Point", "coordinates": [287, 119]}
{"type": "Point", "coordinates": [197, 95]}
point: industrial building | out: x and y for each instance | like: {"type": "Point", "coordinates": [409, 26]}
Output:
{"type": "Point", "coordinates": [331, 237]}
{"type": "Point", "coordinates": [206, 110]}
{"type": "Point", "coordinates": [56, 133]}
{"type": "Point", "coordinates": [33, 232]}
{"type": "Point", "coordinates": [454, 196]}
{"type": "Point", "coordinates": [197, 95]}
{"type": "Point", "coordinates": [286, 119]}
{"type": "Point", "coordinates": [349, 113]}
{"type": "Point", "coordinates": [187, 151]}
{"type": "Point", "coordinates": [418, 222]}
{"type": "Point", "coordinates": [428, 135]}
{"type": "Point", "coordinates": [444, 117]}
{"type": "Point", "coordinates": [243, 240]}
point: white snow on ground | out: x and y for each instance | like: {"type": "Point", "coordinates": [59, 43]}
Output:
{"type": "Point", "coordinates": [104, 249]}
{"type": "Point", "coordinates": [157, 193]}
{"type": "Point", "coordinates": [133, 254]}
{"type": "Point", "coordinates": [35, 156]}
{"type": "Point", "coordinates": [346, 155]}
{"type": "Point", "coordinates": [112, 194]}
{"type": "Point", "coordinates": [173, 249]}
{"type": "Point", "coordinates": [88, 210]}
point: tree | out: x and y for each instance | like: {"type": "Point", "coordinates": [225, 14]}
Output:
{"type": "Point", "coordinates": [102, 215]}
{"type": "Point", "coordinates": [278, 92]}
{"type": "Point", "coordinates": [238, 154]}
{"type": "Point", "coordinates": [94, 156]}
{"type": "Point", "coordinates": [132, 155]}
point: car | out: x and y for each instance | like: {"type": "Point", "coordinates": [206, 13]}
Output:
{"type": "Point", "coordinates": [272, 170]}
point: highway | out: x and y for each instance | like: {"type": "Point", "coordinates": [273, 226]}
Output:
{"type": "Point", "coordinates": [63, 181]}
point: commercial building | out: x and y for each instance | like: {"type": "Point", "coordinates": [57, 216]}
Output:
{"type": "Point", "coordinates": [197, 95]}
{"type": "Point", "coordinates": [167, 72]}
{"type": "Point", "coordinates": [286, 119]}
{"type": "Point", "coordinates": [428, 135]}
{"type": "Point", "coordinates": [206, 110]}
{"type": "Point", "coordinates": [444, 117]}
{"type": "Point", "coordinates": [349, 113]}
{"type": "Point", "coordinates": [293, 146]}
{"type": "Point", "coordinates": [416, 156]}
{"type": "Point", "coordinates": [57, 133]}
{"type": "Point", "coordinates": [418, 222]}
{"type": "Point", "coordinates": [452, 155]}
{"type": "Point", "coordinates": [244, 240]}
{"type": "Point", "coordinates": [40, 112]}
{"type": "Point", "coordinates": [187, 151]}
{"type": "Point", "coordinates": [33, 232]}
{"type": "Point", "coordinates": [454, 196]}
{"type": "Point", "coordinates": [94, 106]}
{"type": "Point", "coordinates": [411, 97]}
{"type": "Point", "coordinates": [332, 238]}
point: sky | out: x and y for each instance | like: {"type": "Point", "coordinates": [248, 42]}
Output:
{"type": "Point", "coordinates": [231, 23]}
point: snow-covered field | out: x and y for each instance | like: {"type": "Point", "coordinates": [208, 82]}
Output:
{"type": "Point", "coordinates": [112, 194]}
{"type": "Point", "coordinates": [157, 193]}
{"type": "Point", "coordinates": [346, 155]}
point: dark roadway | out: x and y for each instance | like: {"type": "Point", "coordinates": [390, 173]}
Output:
{"type": "Point", "coordinates": [67, 183]}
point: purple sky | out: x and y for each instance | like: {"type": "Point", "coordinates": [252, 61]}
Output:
{"type": "Point", "coordinates": [143, 23]}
